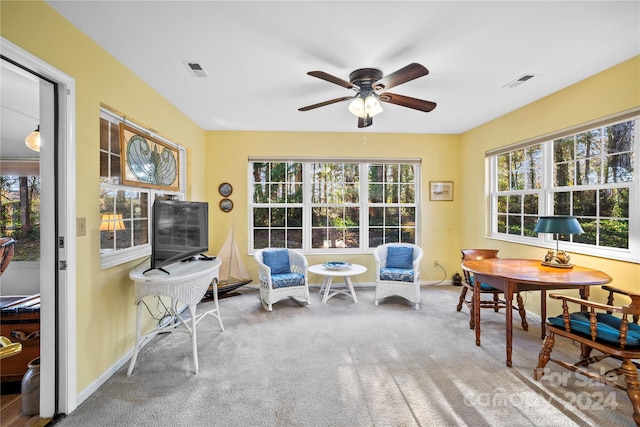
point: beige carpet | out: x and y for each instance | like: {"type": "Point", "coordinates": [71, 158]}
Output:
{"type": "Point", "coordinates": [346, 364]}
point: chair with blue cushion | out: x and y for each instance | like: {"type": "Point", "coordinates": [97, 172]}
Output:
{"type": "Point", "coordinates": [494, 302]}
{"type": "Point", "coordinates": [611, 330]}
{"type": "Point", "coordinates": [398, 271]}
{"type": "Point", "coordinates": [283, 274]}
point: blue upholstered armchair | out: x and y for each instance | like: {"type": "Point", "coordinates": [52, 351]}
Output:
{"type": "Point", "coordinates": [398, 271]}
{"type": "Point", "coordinates": [283, 274]}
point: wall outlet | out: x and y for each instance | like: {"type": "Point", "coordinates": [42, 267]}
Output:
{"type": "Point", "coordinates": [436, 263]}
{"type": "Point", "coordinates": [81, 226]}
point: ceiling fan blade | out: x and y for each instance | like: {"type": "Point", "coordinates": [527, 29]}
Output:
{"type": "Point", "coordinates": [407, 101]}
{"type": "Point", "coordinates": [364, 122]}
{"type": "Point", "coordinates": [332, 79]}
{"type": "Point", "coordinates": [322, 104]}
{"type": "Point", "coordinates": [403, 75]}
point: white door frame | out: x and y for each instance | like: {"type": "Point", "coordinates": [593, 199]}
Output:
{"type": "Point", "coordinates": [65, 306]}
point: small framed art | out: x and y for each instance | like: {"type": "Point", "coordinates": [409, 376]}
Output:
{"type": "Point", "coordinates": [441, 190]}
{"type": "Point", "coordinates": [226, 205]}
{"type": "Point", "coordinates": [147, 161]}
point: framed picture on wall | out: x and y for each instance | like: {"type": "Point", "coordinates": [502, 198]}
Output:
{"type": "Point", "coordinates": [146, 161]}
{"type": "Point", "coordinates": [441, 190]}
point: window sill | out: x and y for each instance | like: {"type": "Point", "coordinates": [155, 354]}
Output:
{"type": "Point", "coordinates": [623, 255]}
{"type": "Point", "coordinates": [113, 258]}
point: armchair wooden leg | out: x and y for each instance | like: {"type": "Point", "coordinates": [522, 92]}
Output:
{"type": "Point", "coordinates": [544, 356]}
{"type": "Point", "coordinates": [585, 351]}
{"type": "Point", "coordinates": [463, 294]}
{"type": "Point", "coordinates": [496, 303]}
{"type": "Point", "coordinates": [633, 387]}
{"type": "Point", "coordinates": [522, 311]}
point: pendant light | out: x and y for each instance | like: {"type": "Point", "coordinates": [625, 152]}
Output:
{"type": "Point", "coordinates": [33, 139]}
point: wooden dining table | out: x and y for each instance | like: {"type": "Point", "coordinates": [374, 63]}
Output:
{"type": "Point", "coordinates": [516, 275]}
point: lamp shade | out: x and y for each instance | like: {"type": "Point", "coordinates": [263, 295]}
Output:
{"type": "Point", "coordinates": [558, 224]}
{"type": "Point", "coordinates": [111, 222]}
{"type": "Point", "coordinates": [33, 140]}
{"type": "Point", "coordinates": [356, 107]}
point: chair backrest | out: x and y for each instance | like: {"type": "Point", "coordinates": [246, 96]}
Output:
{"type": "Point", "coordinates": [380, 252]}
{"type": "Point", "coordinates": [7, 248]}
{"type": "Point", "coordinates": [476, 254]}
{"type": "Point", "coordinates": [297, 261]}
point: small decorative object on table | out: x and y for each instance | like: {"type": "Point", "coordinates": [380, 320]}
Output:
{"type": "Point", "coordinates": [560, 226]}
{"type": "Point", "coordinates": [335, 265]}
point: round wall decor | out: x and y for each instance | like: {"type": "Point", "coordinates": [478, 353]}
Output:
{"type": "Point", "coordinates": [226, 205]}
{"type": "Point", "coordinates": [225, 189]}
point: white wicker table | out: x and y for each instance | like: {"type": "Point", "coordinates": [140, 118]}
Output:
{"type": "Point", "coordinates": [329, 274]}
{"type": "Point", "coordinates": [187, 282]}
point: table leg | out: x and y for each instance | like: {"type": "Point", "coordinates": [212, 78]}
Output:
{"type": "Point", "coordinates": [543, 313]}
{"type": "Point", "coordinates": [326, 284]}
{"type": "Point", "coordinates": [476, 312]}
{"type": "Point", "coordinates": [349, 284]}
{"type": "Point", "coordinates": [508, 296]}
{"type": "Point", "coordinates": [215, 299]}
{"type": "Point", "coordinates": [194, 341]}
{"type": "Point", "coordinates": [137, 346]}
{"type": "Point", "coordinates": [584, 294]}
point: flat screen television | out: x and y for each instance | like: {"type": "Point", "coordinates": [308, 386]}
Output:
{"type": "Point", "coordinates": [180, 231]}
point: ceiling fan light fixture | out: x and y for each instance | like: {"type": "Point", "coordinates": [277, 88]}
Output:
{"type": "Point", "coordinates": [357, 107]}
{"type": "Point", "coordinates": [372, 106]}
{"type": "Point", "coordinates": [33, 140]}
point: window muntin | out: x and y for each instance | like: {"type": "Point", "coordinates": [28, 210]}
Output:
{"type": "Point", "coordinates": [125, 212]}
{"type": "Point", "coordinates": [332, 205]}
{"type": "Point", "coordinates": [591, 175]}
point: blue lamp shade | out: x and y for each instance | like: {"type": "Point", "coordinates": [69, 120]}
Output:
{"type": "Point", "coordinates": [559, 225]}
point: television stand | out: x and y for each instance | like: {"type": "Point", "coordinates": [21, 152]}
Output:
{"type": "Point", "coordinates": [186, 282]}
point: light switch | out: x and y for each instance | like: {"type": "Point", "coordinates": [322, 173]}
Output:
{"type": "Point", "coordinates": [81, 226]}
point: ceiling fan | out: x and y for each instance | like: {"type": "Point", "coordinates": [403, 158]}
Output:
{"type": "Point", "coordinates": [367, 82]}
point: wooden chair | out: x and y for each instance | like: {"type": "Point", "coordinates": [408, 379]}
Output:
{"type": "Point", "coordinates": [283, 274]}
{"type": "Point", "coordinates": [7, 248]}
{"type": "Point", "coordinates": [496, 303]}
{"type": "Point", "coordinates": [595, 327]}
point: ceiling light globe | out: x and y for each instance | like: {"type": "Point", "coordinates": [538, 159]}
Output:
{"type": "Point", "coordinates": [372, 106]}
{"type": "Point", "coordinates": [33, 140]}
{"type": "Point", "coordinates": [356, 107]}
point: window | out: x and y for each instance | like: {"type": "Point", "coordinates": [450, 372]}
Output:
{"type": "Point", "coordinates": [590, 174]}
{"type": "Point", "coordinates": [316, 206]}
{"type": "Point", "coordinates": [125, 211]}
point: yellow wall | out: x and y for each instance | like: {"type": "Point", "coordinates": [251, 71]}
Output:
{"type": "Point", "coordinates": [227, 154]}
{"type": "Point", "coordinates": [105, 309]}
{"type": "Point", "coordinates": [614, 90]}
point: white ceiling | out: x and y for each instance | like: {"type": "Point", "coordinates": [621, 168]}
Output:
{"type": "Point", "coordinates": [257, 55]}
{"type": "Point", "coordinates": [19, 111]}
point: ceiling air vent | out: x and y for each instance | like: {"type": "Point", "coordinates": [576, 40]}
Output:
{"type": "Point", "coordinates": [196, 69]}
{"type": "Point", "coordinates": [519, 80]}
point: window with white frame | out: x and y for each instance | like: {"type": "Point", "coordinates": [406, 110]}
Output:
{"type": "Point", "coordinates": [125, 211]}
{"type": "Point", "coordinates": [590, 174]}
{"type": "Point", "coordinates": [333, 205]}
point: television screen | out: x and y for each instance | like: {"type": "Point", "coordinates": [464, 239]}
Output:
{"type": "Point", "coordinates": [179, 231]}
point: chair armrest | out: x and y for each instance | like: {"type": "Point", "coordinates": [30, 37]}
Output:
{"type": "Point", "coordinates": [621, 325]}
{"type": "Point", "coordinates": [264, 272]}
{"type": "Point", "coordinates": [597, 305]}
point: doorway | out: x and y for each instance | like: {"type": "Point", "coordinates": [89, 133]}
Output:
{"type": "Point", "coordinates": [56, 116]}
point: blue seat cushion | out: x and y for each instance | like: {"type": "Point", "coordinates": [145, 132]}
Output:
{"type": "Point", "coordinates": [399, 257]}
{"type": "Point", "coordinates": [483, 286]}
{"type": "Point", "coordinates": [396, 274]}
{"type": "Point", "coordinates": [277, 260]}
{"type": "Point", "coordinates": [287, 280]}
{"type": "Point", "coordinates": [607, 327]}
